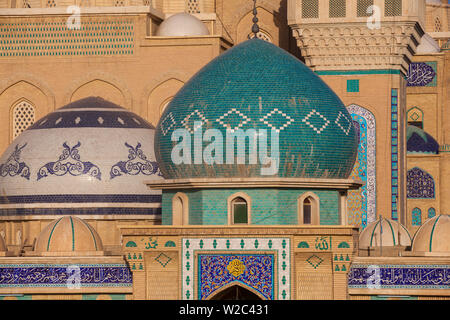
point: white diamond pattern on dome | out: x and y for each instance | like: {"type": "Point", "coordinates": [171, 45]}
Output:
{"type": "Point", "coordinates": [120, 120]}
{"type": "Point", "coordinates": [346, 126]}
{"type": "Point", "coordinates": [231, 122]}
{"type": "Point", "coordinates": [288, 120]}
{"type": "Point", "coordinates": [188, 121]}
{"type": "Point", "coordinates": [168, 123]}
{"type": "Point", "coordinates": [307, 119]}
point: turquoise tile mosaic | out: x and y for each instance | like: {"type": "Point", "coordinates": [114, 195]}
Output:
{"type": "Point", "coordinates": [353, 85]}
{"type": "Point", "coordinates": [256, 85]}
{"type": "Point", "coordinates": [268, 206]}
{"type": "Point", "coordinates": [394, 153]}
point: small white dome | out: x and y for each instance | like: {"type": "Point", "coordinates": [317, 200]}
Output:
{"type": "Point", "coordinates": [182, 25]}
{"type": "Point", "coordinates": [427, 45]}
{"type": "Point", "coordinates": [384, 234]}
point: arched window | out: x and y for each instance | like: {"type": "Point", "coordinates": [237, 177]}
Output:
{"type": "Point", "coordinates": [308, 209]}
{"type": "Point", "coordinates": [437, 25]}
{"type": "Point", "coordinates": [23, 115]}
{"type": "Point", "coordinates": [239, 205]}
{"type": "Point", "coordinates": [431, 213]}
{"type": "Point", "coordinates": [180, 209]}
{"type": "Point", "coordinates": [240, 210]}
{"type": "Point", "coordinates": [415, 117]}
{"type": "Point", "coordinates": [416, 219]}
{"type": "Point", "coordinates": [419, 184]}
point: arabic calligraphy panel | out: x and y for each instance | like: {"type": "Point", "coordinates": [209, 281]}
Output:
{"type": "Point", "coordinates": [402, 277]}
{"type": "Point", "coordinates": [422, 74]}
{"type": "Point", "coordinates": [58, 275]}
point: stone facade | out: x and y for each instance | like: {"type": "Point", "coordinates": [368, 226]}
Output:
{"type": "Point", "coordinates": [116, 55]}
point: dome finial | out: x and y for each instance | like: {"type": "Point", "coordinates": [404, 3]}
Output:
{"type": "Point", "coordinates": [255, 27]}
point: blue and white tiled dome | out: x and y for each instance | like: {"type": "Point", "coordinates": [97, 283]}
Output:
{"type": "Point", "coordinates": [90, 157]}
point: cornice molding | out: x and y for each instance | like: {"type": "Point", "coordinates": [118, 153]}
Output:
{"type": "Point", "coordinates": [226, 183]}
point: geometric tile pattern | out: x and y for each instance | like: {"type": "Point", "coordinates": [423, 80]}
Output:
{"type": "Point", "coordinates": [102, 37]}
{"type": "Point", "coordinates": [394, 154]}
{"type": "Point", "coordinates": [318, 123]}
{"type": "Point", "coordinates": [189, 121]}
{"type": "Point", "coordinates": [286, 120]}
{"type": "Point", "coordinates": [233, 119]}
{"type": "Point", "coordinates": [314, 261]}
{"type": "Point", "coordinates": [167, 123]}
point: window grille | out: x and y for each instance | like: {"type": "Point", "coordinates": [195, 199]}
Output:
{"type": "Point", "coordinates": [23, 117]}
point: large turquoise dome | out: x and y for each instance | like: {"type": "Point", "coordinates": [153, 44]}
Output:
{"type": "Point", "coordinates": [257, 85]}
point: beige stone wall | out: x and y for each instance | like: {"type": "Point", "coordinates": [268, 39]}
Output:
{"type": "Point", "coordinates": [237, 15]}
{"type": "Point", "coordinates": [142, 82]}
{"type": "Point", "coordinates": [374, 95]}
{"type": "Point", "coordinates": [432, 165]}
{"type": "Point", "coordinates": [433, 101]}
{"type": "Point", "coordinates": [317, 272]}
{"type": "Point", "coordinates": [437, 18]}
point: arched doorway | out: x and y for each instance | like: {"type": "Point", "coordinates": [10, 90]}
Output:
{"type": "Point", "coordinates": [235, 292]}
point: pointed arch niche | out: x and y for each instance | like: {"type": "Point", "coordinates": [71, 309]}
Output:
{"type": "Point", "coordinates": [308, 209]}
{"type": "Point", "coordinates": [236, 291]}
{"type": "Point", "coordinates": [415, 117]}
{"type": "Point", "coordinates": [180, 209]}
{"type": "Point", "coordinates": [239, 208]}
{"type": "Point", "coordinates": [361, 204]}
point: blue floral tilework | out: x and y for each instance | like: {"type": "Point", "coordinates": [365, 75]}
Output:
{"type": "Point", "coordinates": [257, 272]}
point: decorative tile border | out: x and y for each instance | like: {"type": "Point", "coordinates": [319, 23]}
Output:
{"type": "Point", "coordinates": [52, 275]}
{"type": "Point", "coordinates": [280, 247]}
{"type": "Point", "coordinates": [399, 277]}
{"type": "Point", "coordinates": [98, 37]}
{"type": "Point", "coordinates": [394, 153]}
{"type": "Point", "coordinates": [369, 150]}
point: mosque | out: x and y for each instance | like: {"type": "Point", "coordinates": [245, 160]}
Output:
{"type": "Point", "coordinates": [117, 180]}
